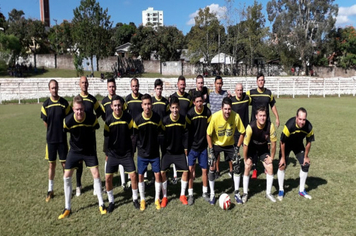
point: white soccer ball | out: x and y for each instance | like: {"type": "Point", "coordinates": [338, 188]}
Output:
{"type": "Point", "coordinates": [224, 201]}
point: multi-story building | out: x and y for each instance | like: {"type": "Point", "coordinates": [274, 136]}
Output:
{"type": "Point", "coordinates": [151, 17]}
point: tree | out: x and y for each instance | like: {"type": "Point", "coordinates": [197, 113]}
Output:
{"type": "Point", "coordinates": [92, 31]}
{"type": "Point", "coordinates": [169, 43]}
{"type": "Point", "coordinates": [143, 42]}
{"type": "Point", "coordinates": [301, 24]}
{"type": "Point", "coordinates": [61, 38]}
{"type": "Point", "coordinates": [36, 38]}
{"type": "Point", "coordinates": [345, 42]}
{"type": "Point", "coordinates": [123, 33]}
{"type": "Point", "coordinates": [10, 48]}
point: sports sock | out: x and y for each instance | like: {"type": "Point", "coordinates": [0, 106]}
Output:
{"type": "Point", "coordinates": [50, 185]}
{"type": "Point", "coordinates": [122, 175]}
{"type": "Point", "coordinates": [269, 182]}
{"type": "Point", "coordinates": [97, 189]}
{"type": "Point", "coordinates": [158, 187]}
{"type": "Point", "coordinates": [145, 175]}
{"type": "Point", "coordinates": [174, 171]}
{"type": "Point", "coordinates": [183, 187]}
{"type": "Point", "coordinates": [79, 174]}
{"type": "Point", "coordinates": [205, 189]}
{"type": "Point", "coordinates": [190, 191]}
{"type": "Point", "coordinates": [110, 196]}
{"type": "Point", "coordinates": [67, 192]}
{"type": "Point", "coordinates": [246, 179]}
{"type": "Point", "coordinates": [237, 178]}
{"type": "Point", "coordinates": [105, 166]}
{"type": "Point", "coordinates": [281, 174]}
{"type": "Point", "coordinates": [211, 185]}
{"type": "Point", "coordinates": [141, 189]}
{"type": "Point", "coordinates": [164, 188]}
{"type": "Point", "coordinates": [134, 194]}
{"type": "Point", "coordinates": [303, 177]}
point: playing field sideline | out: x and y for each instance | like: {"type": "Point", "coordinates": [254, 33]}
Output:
{"type": "Point", "coordinates": [331, 183]}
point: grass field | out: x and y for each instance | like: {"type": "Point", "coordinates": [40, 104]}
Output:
{"type": "Point", "coordinates": [331, 183]}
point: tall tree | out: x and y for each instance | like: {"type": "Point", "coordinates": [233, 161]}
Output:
{"type": "Point", "coordinates": [92, 30]}
{"type": "Point", "coordinates": [123, 33]}
{"type": "Point", "coordinates": [170, 41]}
{"type": "Point", "coordinates": [345, 46]}
{"type": "Point", "coordinates": [143, 42]}
{"type": "Point", "coordinates": [61, 39]}
{"type": "Point", "coordinates": [301, 24]}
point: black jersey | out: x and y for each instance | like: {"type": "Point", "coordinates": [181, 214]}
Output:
{"type": "Point", "coordinates": [160, 106]}
{"type": "Point", "coordinates": [197, 125]}
{"type": "Point", "coordinates": [92, 105]}
{"type": "Point", "coordinates": [205, 94]}
{"type": "Point", "coordinates": [133, 105]}
{"type": "Point", "coordinates": [259, 99]}
{"type": "Point", "coordinates": [147, 130]}
{"type": "Point", "coordinates": [175, 135]}
{"type": "Point", "coordinates": [185, 103]}
{"type": "Point", "coordinates": [82, 134]}
{"type": "Point", "coordinates": [106, 103]}
{"type": "Point", "coordinates": [240, 106]}
{"type": "Point", "coordinates": [53, 113]}
{"type": "Point", "coordinates": [259, 138]}
{"type": "Point", "coordinates": [292, 135]}
{"type": "Point", "coordinates": [118, 132]}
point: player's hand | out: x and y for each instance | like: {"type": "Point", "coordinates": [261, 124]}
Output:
{"type": "Point", "coordinates": [306, 160]}
{"type": "Point", "coordinates": [268, 160]}
{"type": "Point", "coordinates": [277, 122]}
{"type": "Point", "coordinates": [211, 157]}
{"type": "Point", "coordinates": [282, 163]}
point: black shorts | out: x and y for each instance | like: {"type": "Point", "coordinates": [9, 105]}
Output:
{"type": "Point", "coordinates": [257, 153]}
{"type": "Point", "coordinates": [74, 158]}
{"type": "Point", "coordinates": [105, 145]}
{"type": "Point", "coordinates": [114, 161]}
{"type": "Point", "coordinates": [298, 152]}
{"type": "Point", "coordinates": [180, 161]}
{"type": "Point", "coordinates": [227, 150]}
{"type": "Point", "coordinates": [53, 148]}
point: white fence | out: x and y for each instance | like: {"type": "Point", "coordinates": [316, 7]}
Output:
{"type": "Point", "coordinates": [29, 88]}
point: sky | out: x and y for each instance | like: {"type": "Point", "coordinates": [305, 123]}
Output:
{"type": "Point", "coordinates": [177, 13]}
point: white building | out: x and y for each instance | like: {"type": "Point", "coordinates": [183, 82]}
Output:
{"type": "Point", "coordinates": [152, 17]}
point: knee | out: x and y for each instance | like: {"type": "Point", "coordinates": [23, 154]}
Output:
{"type": "Point", "coordinates": [248, 164]}
{"type": "Point", "coordinates": [133, 176]}
{"type": "Point", "coordinates": [108, 178]}
{"type": "Point", "coordinates": [211, 175]}
{"type": "Point", "coordinates": [305, 167]}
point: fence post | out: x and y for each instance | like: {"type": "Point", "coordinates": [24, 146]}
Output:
{"type": "Point", "coordinates": [38, 95]}
{"type": "Point", "coordinates": [277, 87]}
{"type": "Point", "coordinates": [293, 87]}
{"type": "Point", "coordinates": [324, 88]}
{"type": "Point", "coordinates": [1, 94]}
{"type": "Point", "coordinates": [308, 87]}
{"type": "Point", "coordinates": [339, 85]}
{"type": "Point", "coordinates": [19, 93]}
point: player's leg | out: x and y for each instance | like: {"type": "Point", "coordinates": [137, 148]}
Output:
{"type": "Point", "coordinates": [212, 176]}
{"type": "Point", "coordinates": [268, 165]}
{"type": "Point", "coordinates": [281, 175]}
{"type": "Point", "coordinates": [122, 176]}
{"type": "Point", "coordinates": [142, 168]}
{"type": "Point", "coordinates": [203, 163]}
{"type": "Point", "coordinates": [180, 162]}
{"type": "Point", "coordinates": [156, 168]}
{"type": "Point", "coordinates": [51, 156]}
{"type": "Point", "coordinates": [175, 175]}
{"type": "Point", "coordinates": [303, 174]}
{"type": "Point", "coordinates": [111, 168]}
{"type": "Point", "coordinates": [78, 175]}
{"type": "Point", "coordinates": [165, 163]}
{"type": "Point", "coordinates": [217, 166]}
{"type": "Point", "coordinates": [191, 162]}
{"type": "Point", "coordinates": [246, 178]}
{"type": "Point", "coordinates": [129, 166]}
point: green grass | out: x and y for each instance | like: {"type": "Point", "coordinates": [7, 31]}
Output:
{"type": "Point", "coordinates": [331, 183]}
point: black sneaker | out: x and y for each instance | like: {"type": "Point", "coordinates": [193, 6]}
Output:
{"type": "Point", "coordinates": [136, 204]}
{"type": "Point", "coordinates": [111, 207]}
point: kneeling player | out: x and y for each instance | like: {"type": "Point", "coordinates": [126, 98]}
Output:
{"type": "Point", "coordinates": [118, 130]}
{"type": "Point", "coordinates": [81, 127]}
{"type": "Point", "coordinates": [258, 134]}
{"type": "Point", "coordinates": [295, 130]}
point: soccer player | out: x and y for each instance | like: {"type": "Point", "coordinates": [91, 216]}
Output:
{"type": "Point", "coordinates": [81, 126]}
{"type": "Point", "coordinates": [220, 137]}
{"type": "Point", "coordinates": [133, 100]}
{"type": "Point", "coordinates": [118, 131]}
{"type": "Point", "coordinates": [262, 96]}
{"type": "Point", "coordinates": [146, 128]}
{"type": "Point", "coordinates": [53, 112]}
{"type": "Point", "coordinates": [200, 87]}
{"type": "Point", "coordinates": [198, 118]}
{"type": "Point", "coordinates": [295, 130]}
{"type": "Point", "coordinates": [259, 133]}
{"type": "Point", "coordinates": [176, 149]}
{"type": "Point", "coordinates": [160, 104]}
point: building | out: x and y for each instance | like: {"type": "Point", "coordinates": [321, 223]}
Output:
{"type": "Point", "coordinates": [151, 17]}
{"type": "Point", "coordinates": [44, 9]}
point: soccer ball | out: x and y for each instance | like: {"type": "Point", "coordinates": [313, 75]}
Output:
{"type": "Point", "coordinates": [224, 201]}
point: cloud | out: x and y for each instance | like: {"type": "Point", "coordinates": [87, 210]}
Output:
{"type": "Point", "coordinates": [214, 8]}
{"type": "Point", "coordinates": [345, 15]}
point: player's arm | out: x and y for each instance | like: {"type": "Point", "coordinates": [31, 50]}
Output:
{"type": "Point", "coordinates": [247, 141]}
{"type": "Point", "coordinates": [282, 161]}
{"type": "Point", "coordinates": [185, 140]}
{"type": "Point", "coordinates": [306, 156]}
{"type": "Point", "coordinates": [211, 156]}
{"type": "Point", "coordinates": [275, 112]}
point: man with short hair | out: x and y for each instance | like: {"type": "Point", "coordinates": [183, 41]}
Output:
{"type": "Point", "coordinates": [200, 87]}
{"type": "Point", "coordinates": [259, 133]}
{"type": "Point", "coordinates": [160, 104]}
{"type": "Point", "coordinates": [81, 126]}
{"type": "Point", "coordinates": [117, 131]}
{"type": "Point", "coordinates": [220, 137]}
{"type": "Point", "coordinates": [146, 129]}
{"type": "Point", "coordinates": [53, 112]}
{"type": "Point", "coordinates": [198, 118]}
{"type": "Point", "coordinates": [295, 130]}
{"type": "Point", "coordinates": [176, 149]}
{"type": "Point", "coordinates": [133, 100]}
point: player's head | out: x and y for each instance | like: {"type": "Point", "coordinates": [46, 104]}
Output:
{"type": "Point", "coordinates": [78, 108]}
{"type": "Point", "coordinates": [218, 83]}
{"type": "Point", "coordinates": [198, 100]}
{"type": "Point", "coordinates": [199, 82]}
{"type": "Point", "coordinates": [226, 105]}
{"type": "Point", "coordinates": [181, 84]}
{"type": "Point", "coordinates": [260, 80]}
{"type": "Point", "coordinates": [261, 115]}
{"type": "Point", "coordinates": [135, 86]}
{"type": "Point", "coordinates": [301, 117]}
{"type": "Point", "coordinates": [84, 84]}
{"type": "Point", "coordinates": [111, 87]}
{"type": "Point", "coordinates": [158, 87]}
{"type": "Point", "coordinates": [239, 89]}
{"type": "Point", "coordinates": [146, 104]}
{"type": "Point", "coordinates": [117, 105]}
{"type": "Point", "coordinates": [174, 106]}
{"type": "Point", "coordinates": [53, 88]}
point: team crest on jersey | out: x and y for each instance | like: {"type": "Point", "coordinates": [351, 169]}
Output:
{"type": "Point", "coordinates": [266, 136]}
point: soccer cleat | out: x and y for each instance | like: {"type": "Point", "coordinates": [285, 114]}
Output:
{"type": "Point", "coordinates": [64, 214]}
{"type": "Point", "coordinates": [206, 197]}
{"type": "Point", "coordinates": [136, 204]}
{"type": "Point", "coordinates": [78, 191]}
{"type": "Point", "coordinates": [280, 195]}
{"type": "Point", "coordinates": [102, 209]}
{"type": "Point", "coordinates": [190, 200]}
{"type": "Point", "coordinates": [164, 202]}
{"type": "Point", "coordinates": [244, 198]}
{"type": "Point", "coordinates": [212, 200]}
{"type": "Point", "coordinates": [238, 197]}
{"type": "Point", "coordinates": [143, 205]}
{"type": "Point", "coordinates": [305, 194]}
{"type": "Point", "coordinates": [158, 204]}
{"type": "Point", "coordinates": [183, 200]}
{"type": "Point", "coordinates": [270, 197]}
{"type": "Point", "coordinates": [50, 195]}
{"type": "Point", "coordinates": [111, 207]}
{"type": "Point", "coordinates": [217, 174]}
{"type": "Point", "coordinates": [254, 174]}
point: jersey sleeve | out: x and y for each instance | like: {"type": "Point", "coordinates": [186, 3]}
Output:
{"type": "Point", "coordinates": [99, 109]}
{"type": "Point", "coordinates": [43, 114]}
{"type": "Point", "coordinates": [239, 125]}
{"type": "Point", "coordinates": [106, 130]}
{"type": "Point", "coordinates": [210, 128]}
{"type": "Point", "coordinates": [96, 124]}
{"type": "Point", "coordinates": [310, 135]}
{"type": "Point", "coordinates": [273, 133]}
{"type": "Point", "coordinates": [285, 134]}
{"type": "Point", "coordinates": [272, 101]}
{"type": "Point", "coordinates": [248, 135]}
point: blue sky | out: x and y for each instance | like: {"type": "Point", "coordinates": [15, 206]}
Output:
{"type": "Point", "coordinates": [178, 13]}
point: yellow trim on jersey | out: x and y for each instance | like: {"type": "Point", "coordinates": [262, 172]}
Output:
{"type": "Point", "coordinates": [273, 133]}
{"type": "Point", "coordinates": [186, 99]}
{"type": "Point", "coordinates": [55, 105]}
{"type": "Point", "coordinates": [80, 125]}
{"type": "Point", "coordinates": [46, 157]}
{"type": "Point", "coordinates": [148, 117]}
{"type": "Point", "coordinates": [195, 109]}
{"type": "Point", "coordinates": [118, 123]}
{"type": "Point", "coordinates": [174, 120]}
{"type": "Point", "coordinates": [175, 124]}
{"type": "Point", "coordinates": [105, 104]}
{"type": "Point", "coordinates": [67, 110]}
{"type": "Point", "coordinates": [286, 131]}
{"type": "Point", "coordinates": [134, 101]}
{"type": "Point", "coordinates": [85, 116]}
{"type": "Point", "coordinates": [162, 103]}
{"type": "Point", "coordinates": [43, 110]}
{"type": "Point", "coordinates": [199, 117]}
{"type": "Point", "coordinates": [147, 123]}
{"type": "Point", "coordinates": [88, 100]}
{"type": "Point", "coordinates": [248, 135]}
{"type": "Point", "coordinates": [106, 128]}
{"type": "Point", "coordinates": [117, 117]}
